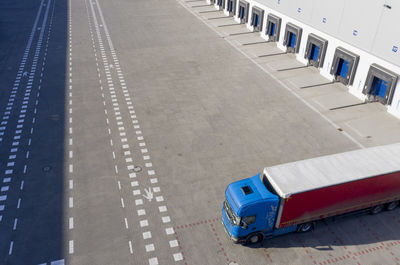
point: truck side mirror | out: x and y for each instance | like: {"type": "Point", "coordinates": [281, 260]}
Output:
{"type": "Point", "coordinates": [244, 225]}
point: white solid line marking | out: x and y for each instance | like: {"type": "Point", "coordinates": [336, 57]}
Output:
{"type": "Point", "coordinates": [71, 223]}
{"type": "Point", "coordinates": [11, 248]}
{"type": "Point", "coordinates": [71, 246]}
{"type": "Point", "coordinates": [169, 231]}
{"type": "Point", "coordinates": [166, 219]}
{"type": "Point", "coordinates": [134, 183]}
{"type": "Point", "coordinates": [144, 223]}
{"type": "Point", "coordinates": [15, 224]}
{"type": "Point", "coordinates": [153, 261]}
{"type": "Point", "coordinates": [154, 180]}
{"type": "Point", "coordinates": [147, 235]}
{"type": "Point", "coordinates": [130, 247]}
{"type": "Point", "coordinates": [173, 243]}
{"type": "Point", "coordinates": [178, 256]}
{"type": "Point", "coordinates": [150, 247]}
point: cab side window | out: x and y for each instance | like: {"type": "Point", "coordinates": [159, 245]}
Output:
{"type": "Point", "coordinates": [249, 219]}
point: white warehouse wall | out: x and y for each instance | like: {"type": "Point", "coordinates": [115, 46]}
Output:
{"type": "Point", "coordinates": [366, 58]}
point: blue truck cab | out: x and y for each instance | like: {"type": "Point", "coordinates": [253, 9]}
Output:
{"type": "Point", "coordinates": [250, 210]}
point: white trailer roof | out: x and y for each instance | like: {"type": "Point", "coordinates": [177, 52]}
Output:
{"type": "Point", "coordinates": [315, 173]}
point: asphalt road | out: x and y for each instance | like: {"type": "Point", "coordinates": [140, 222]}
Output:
{"type": "Point", "coordinates": [122, 123]}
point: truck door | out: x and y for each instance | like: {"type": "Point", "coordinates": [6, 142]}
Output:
{"type": "Point", "coordinates": [259, 218]}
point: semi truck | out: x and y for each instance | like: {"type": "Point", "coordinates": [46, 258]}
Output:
{"type": "Point", "coordinates": [293, 197]}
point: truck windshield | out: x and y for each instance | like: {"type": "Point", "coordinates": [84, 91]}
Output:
{"type": "Point", "coordinates": [233, 218]}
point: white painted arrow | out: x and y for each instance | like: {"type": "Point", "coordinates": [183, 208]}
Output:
{"type": "Point", "coordinates": [149, 194]}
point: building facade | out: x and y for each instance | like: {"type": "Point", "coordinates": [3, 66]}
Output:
{"type": "Point", "coordinates": [354, 42]}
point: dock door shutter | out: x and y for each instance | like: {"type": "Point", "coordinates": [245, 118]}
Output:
{"type": "Point", "coordinates": [273, 27]}
{"type": "Point", "coordinates": [257, 16]}
{"type": "Point", "coordinates": [221, 4]}
{"type": "Point", "coordinates": [231, 7]}
{"type": "Point", "coordinates": [344, 66]}
{"type": "Point", "coordinates": [292, 38]}
{"type": "Point", "coordinates": [243, 11]}
{"type": "Point", "coordinates": [380, 84]}
{"type": "Point", "coordinates": [315, 51]}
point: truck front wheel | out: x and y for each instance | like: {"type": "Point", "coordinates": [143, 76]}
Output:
{"type": "Point", "coordinates": [306, 227]}
{"type": "Point", "coordinates": [254, 239]}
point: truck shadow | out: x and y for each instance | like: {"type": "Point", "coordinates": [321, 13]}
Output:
{"type": "Point", "coordinates": [354, 230]}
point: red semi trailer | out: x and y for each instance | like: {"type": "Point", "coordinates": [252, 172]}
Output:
{"type": "Point", "coordinates": [292, 196]}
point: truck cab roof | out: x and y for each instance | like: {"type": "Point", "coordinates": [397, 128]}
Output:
{"type": "Point", "coordinates": [247, 191]}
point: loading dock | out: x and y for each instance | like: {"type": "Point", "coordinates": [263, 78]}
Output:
{"type": "Point", "coordinates": [231, 8]}
{"type": "Point", "coordinates": [292, 38]}
{"type": "Point", "coordinates": [273, 27]}
{"type": "Point", "coordinates": [243, 11]}
{"type": "Point", "coordinates": [380, 84]}
{"type": "Point", "coordinates": [344, 66]}
{"type": "Point", "coordinates": [221, 4]}
{"type": "Point", "coordinates": [315, 51]}
{"type": "Point", "coordinates": [257, 16]}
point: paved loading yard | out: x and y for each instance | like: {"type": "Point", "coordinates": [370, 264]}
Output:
{"type": "Point", "coordinates": [157, 84]}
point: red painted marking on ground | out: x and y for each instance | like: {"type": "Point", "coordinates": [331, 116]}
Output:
{"type": "Point", "coordinates": [197, 223]}
{"type": "Point", "coordinates": [180, 247]}
{"type": "Point", "coordinates": [267, 255]}
{"type": "Point", "coordinates": [217, 238]}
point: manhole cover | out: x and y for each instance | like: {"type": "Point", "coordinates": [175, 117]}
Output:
{"type": "Point", "coordinates": [46, 168]}
{"type": "Point", "coordinates": [137, 169]}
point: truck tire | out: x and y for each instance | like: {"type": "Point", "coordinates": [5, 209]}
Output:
{"type": "Point", "coordinates": [306, 227]}
{"type": "Point", "coordinates": [254, 239]}
{"type": "Point", "coordinates": [392, 205]}
{"type": "Point", "coordinates": [377, 209]}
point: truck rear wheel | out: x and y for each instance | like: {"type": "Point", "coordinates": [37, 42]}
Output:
{"type": "Point", "coordinates": [254, 239]}
{"type": "Point", "coordinates": [377, 209]}
{"type": "Point", "coordinates": [306, 227]}
{"type": "Point", "coordinates": [392, 205]}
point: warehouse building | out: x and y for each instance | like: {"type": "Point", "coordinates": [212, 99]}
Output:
{"type": "Point", "coordinates": [353, 42]}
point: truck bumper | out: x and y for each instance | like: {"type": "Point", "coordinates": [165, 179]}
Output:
{"type": "Point", "coordinates": [234, 239]}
